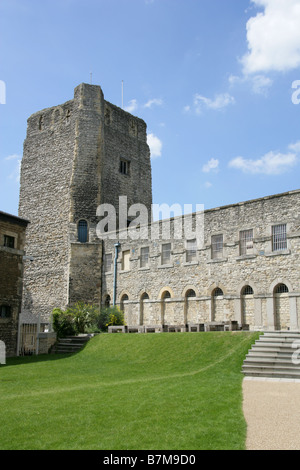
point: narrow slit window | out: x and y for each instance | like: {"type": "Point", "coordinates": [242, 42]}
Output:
{"type": "Point", "coordinates": [124, 167]}
{"type": "Point", "coordinates": [82, 231]}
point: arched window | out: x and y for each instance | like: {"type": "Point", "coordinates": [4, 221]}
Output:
{"type": "Point", "coordinates": [217, 292]}
{"type": "Point", "coordinates": [145, 296]}
{"type": "Point", "coordinates": [82, 231]}
{"type": "Point", "coordinates": [124, 298]}
{"type": "Point", "coordinates": [166, 295]}
{"type": "Point", "coordinates": [247, 290]}
{"type": "Point", "coordinates": [107, 301]}
{"type": "Point", "coordinates": [281, 289]}
{"type": "Point", "coordinates": [190, 293]}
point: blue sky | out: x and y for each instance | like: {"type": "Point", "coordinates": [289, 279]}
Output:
{"type": "Point", "coordinates": [213, 79]}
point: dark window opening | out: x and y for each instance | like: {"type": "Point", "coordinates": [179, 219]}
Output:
{"type": "Point", "coordinates": [124, 167]}
{"type": "Point", "coordinates": [5, 311]}
{"type": "Point", "coordinates": [218, 292]}
{"type": "Point", "coordinates": [166, 295]}
{"type": "Point", "coordinates": [82, 231]}
{"type": "Point", "coordinates": [281, 289]}
{"type": "Point", "coordinates": [9, 242]}
{"type": "Point", "coordinates": [247, 290]}
{"type": "Point", "coordinates": [190, 293]}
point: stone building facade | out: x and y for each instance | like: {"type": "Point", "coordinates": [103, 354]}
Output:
{"type": "Point", "coordinates": [246, 269]}
{"type": "Point", "coordinates": [12, 242]}
{"type": "Point", "coordinates": [85, 157]}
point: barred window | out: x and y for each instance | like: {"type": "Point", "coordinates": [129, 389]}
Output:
{"type": "Point", "coordinates": [247, 290]}
{"type": "Point", "coordinates": [107, 262]}
{"type": "Point", "coordinates": [246, 242]}
{"type": "Point", "coordinates": [217, 292]}
{"type": "Point", "coordinates": [191, 250]}
{"type": "Point", "coordinates": [124, 166]}
{"type": "Point", "coordinates": [166, 253]}
{"type": "Point", "coordinates": [279, 239]}
{"type": "Point", "coordinates": [217, 246]}
{"type": "Point", "coordinates": [144, 257]}
{"type": "Point", "coordinates": [281, 289]}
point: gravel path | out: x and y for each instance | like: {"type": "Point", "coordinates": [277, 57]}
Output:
{"type": "Point", "coordinates": [272, 412]}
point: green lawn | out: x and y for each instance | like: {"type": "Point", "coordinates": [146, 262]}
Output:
{"type": "Point", "coordinates": [176, 391]}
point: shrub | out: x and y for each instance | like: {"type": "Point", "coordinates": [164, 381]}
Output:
{"type": "Point", "coordinates": [83, 318]}
{"type": "Point", "coordinates": [63, 323]}
{"type": "Point", "coordinates": [74, 319]}
{"type": "Point", "coordinates": [110, 316]}
{"type": "Point", "coordinates": [84, 315]}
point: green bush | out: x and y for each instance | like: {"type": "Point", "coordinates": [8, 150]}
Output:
{"type": "Point", "coordinates": [63, 323]}
{"type": "Point", "coordinates": [85, 318]}
{"type": "Point", "coordinates": [74, 320]}
{"type": "Point", "coordinates": [110, 316]}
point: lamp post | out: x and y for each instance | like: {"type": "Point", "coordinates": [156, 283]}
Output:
{"type": "Point", "coordinates": [117, 246]}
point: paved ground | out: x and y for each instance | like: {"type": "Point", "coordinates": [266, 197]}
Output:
{"type": "Point", "coordinates": [272, 412]}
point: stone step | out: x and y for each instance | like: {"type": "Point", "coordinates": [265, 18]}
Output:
{"type": "Point", "coordinates": [272, 356]}
{"type": "Point", "coordinates": [266, 353]}
{"type": "Point", "coordinates": [70, 344]}
{"type": "Point", "coordinates": [271, 374]}
{"type": "Point", "coordinates": [270, 361]}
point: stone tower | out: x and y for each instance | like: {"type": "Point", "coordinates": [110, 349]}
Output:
{"type": "Point", "coordinates": [77, 155]}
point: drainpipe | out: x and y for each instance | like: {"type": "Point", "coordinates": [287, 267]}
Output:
{"type": "Point", "coordinates": [117, 245]}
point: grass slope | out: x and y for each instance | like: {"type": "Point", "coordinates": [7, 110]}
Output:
{"type": "Point", "coordinates": [179, 391]}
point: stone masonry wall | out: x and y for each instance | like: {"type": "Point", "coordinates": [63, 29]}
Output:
{"type": "Point", "coordinates": [70, 166]}
{"type": "Point", "coordinates": [262, 269]}
{"type": "Point", "coordinates": [46, 172]}
{"type": "Point", "coordinates": [11, 275]}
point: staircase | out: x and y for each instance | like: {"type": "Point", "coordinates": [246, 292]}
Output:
{"type": "Point", "coordinates": [275, 354]}
{"type": "Point", "coordinates": [70, 344]}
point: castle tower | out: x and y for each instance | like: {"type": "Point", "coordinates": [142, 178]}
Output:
{"type": "Point", "coordinates": [77, 156]}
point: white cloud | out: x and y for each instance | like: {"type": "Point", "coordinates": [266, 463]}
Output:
{"type": "Point", "coordinates": [15, 173]}
{"type": "Point", "coordinates": [154, 102]}
{"type": "Point", "coordinates": [219, 102]}
{"type": "Point", "coordinates": [272, 163]}
{"type": "Point", "coordinates": [295, 147]}
{"type": "Point", "coordinates": [155, 145]}
{"type": "Point", "coordinates": [260, 83]}
{"type": "Point", "coordinates": [212, 164]}
{"type": "Point", "coordinates": [12, 157]}
{"type": "Point", "coordinates": [132, 106]}
{"type": "Point", "coordinates": [207, 184]}
{"type": "Point", "coordinates": [273, 37]}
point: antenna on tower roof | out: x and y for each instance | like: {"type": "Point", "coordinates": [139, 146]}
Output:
{"type": "Point", "coordinates": [122, 94]}
{"type": "Point", "coordinates": [91, 76]}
